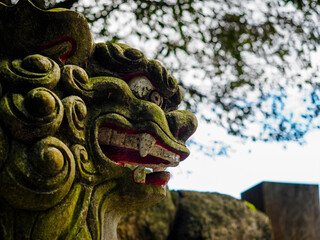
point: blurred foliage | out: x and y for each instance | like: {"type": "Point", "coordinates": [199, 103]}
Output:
{"type": "Point", "coordinates": [241, 63]}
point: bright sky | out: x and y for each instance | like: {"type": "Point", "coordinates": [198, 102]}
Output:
{"type": "Point", "coordinates": [246, 164]}
{"type": "Point", "coordinates": [250, 163]}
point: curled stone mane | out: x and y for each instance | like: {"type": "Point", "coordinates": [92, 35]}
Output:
{"type": "Point", "coordinates": [120, 60]}
{"type": "Point", "coordinates": [86, 130]}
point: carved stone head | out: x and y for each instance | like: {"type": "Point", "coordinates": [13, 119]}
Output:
{"type": "Point", "coordinates": [79, 125]}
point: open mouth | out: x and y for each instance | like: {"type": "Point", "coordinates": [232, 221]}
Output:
{"type": "Point", "coordinates": [141, 152]}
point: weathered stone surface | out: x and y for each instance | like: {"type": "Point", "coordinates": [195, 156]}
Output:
{"type": "Point", "coordinates": [74, 124]}
{"type": "Point", "coordinates": [196, 215]}
{"type": "Point", "coordinates": [150, 223]}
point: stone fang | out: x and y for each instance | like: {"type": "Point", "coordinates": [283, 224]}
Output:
{"type": "Point", "coordinates": [146, 143]}
{"type": "Point", "coordinates": [139, 174]}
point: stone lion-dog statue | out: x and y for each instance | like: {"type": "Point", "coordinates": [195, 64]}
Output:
{"type": "Point", "coordinates": [79, 124]}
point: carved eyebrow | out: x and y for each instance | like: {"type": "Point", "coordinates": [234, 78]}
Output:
{"type": "Point", "coordinates": [120, 58]}
{"type": "Point", "coordinates": [165, 82]}
{"type": "Point", "coordinates": [115, 56]}
{"type": "Point", "coordinates": [128, 77]}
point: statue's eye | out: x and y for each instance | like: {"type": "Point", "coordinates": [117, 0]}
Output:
{"type": "Point", "coordinates": [141, 87]}
{"type": "Point", "coordinates": [156, 98]}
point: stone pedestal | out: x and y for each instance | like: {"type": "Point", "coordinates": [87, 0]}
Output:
{"type": "Point", "coordinates": [292, 208]}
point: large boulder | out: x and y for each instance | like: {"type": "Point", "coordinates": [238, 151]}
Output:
{"type": "Point", "coordinates": [196, 215]}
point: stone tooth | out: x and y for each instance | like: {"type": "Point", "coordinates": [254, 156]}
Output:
{"type": "Point", "coordinates": [139, 174]}
{"type": "Point", "coordinates": [156, 151]}
{"type": "Point", "coordinates": [146, 143]}
{"type": "Point", "coordinates": [104, 136]}
{"type": "Point", "coordinates": [158, 169]}
{"type": "Point", "coordinates": [173, 157]}
{"type": "Point", "coordinates": [117, 138]}
{"type": "Point", "coordinates": [163, 153]}
{"type": "Point", "coordinates": [130, 166]}
{"type": "Point", "coordinates": [132, 141]}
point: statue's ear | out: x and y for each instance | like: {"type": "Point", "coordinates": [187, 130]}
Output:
{"type": "Point", "coordinates": [172, 103]}
{"type": "Point", "coordinates": [62, 35]}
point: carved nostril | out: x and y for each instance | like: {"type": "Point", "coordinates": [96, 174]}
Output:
{"type": "Point", "coordinates": [182, 124]}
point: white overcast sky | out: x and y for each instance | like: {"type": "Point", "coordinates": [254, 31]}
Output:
{"type": "Point", "coordinates": [247, 164]}
{"type": "Point", "coordinates": [250, 163]}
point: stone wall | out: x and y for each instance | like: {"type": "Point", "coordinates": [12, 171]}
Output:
{"type": "Point", "coordinates": [292, 208]}
{"type": "Point", "coordinates": [196, 215]}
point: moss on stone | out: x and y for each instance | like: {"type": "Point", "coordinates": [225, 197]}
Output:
{"type": "Point", "coordinates": [58, 177]}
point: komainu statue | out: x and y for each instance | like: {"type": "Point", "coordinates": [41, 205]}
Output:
{"type": "Point", "coordinates": [79, 124]}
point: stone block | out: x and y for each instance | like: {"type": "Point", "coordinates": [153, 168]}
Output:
{"type": "Point", "coordinates": [292, 208]}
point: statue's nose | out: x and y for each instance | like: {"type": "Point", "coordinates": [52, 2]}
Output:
{"type": "Point", "coordinates": [182, 124]}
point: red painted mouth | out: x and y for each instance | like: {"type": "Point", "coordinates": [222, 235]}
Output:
{"type": "Point", "coordinates": [138, 151]}
{"type": "Point", "coordinates": [123, 156]}
{"type": "Point", "coordinates": [156, 178]}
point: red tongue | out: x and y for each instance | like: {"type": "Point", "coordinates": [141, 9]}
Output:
{"type": "Point", "coordinates": [157, 178]}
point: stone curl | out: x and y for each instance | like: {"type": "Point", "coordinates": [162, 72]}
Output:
{"type": "Point", "coordinates": [76, 80]}
{"type": "Point", "coordinates": [43, 174]}
{"type": "Point", "coordinates": [75, 115]}
{"type": "Point", "coordinates": [37, 114]}
{"type": "Point", "coordinates": [86, 171]}
{"type": "Point", "coordinates": [32, 71]}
